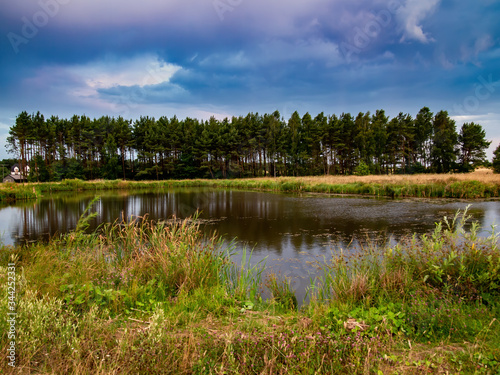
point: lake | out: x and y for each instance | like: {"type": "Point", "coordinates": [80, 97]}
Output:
{"type": "Point", "coordinates": [290, 230]}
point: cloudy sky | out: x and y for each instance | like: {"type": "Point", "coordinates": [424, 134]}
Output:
{"type": "Point", "coordinates": [200, 58]}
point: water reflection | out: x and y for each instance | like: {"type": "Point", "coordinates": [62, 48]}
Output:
{"type": "Point", "coordinates": [290, 230]}
{"type": "Point", "coordinates": [276, 224]}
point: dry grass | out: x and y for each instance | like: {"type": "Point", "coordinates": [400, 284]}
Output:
{"type": "Point", "coordinates": [394, 280]}
{"type": "Point", "coordinates": [484, 175]}
{"type": "Point", "coordinates": [482, 183]}
{"type": "Point", "coordinates": [422, 359]}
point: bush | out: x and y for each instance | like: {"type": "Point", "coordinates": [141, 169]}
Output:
{"type": "Point", "coordinates": [362, 169]}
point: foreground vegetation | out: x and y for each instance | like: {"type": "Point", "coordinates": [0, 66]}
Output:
{"type": "Point", "coordinates": [480, 184]}
{"type": "Point", "coordinates": [140, 298]}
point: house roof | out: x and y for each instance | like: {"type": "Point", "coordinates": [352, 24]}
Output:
{"type": "Point", "coordinates": [16, 165]}
{"type": "Point", "coordinates": [9, 178]}
{"type": "Point", "coordinates": [14, 178]}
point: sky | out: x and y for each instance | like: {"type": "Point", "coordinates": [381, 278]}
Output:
{"type": "Point", "coordinates": [202, 58]}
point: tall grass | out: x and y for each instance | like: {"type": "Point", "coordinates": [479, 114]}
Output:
{"type": "Point", "coordinates": [10, 192]}
{"type": "Point", "coordinates": [480, 184]}
{"type": "Point", "coordinates": [281, 291]}
{"type": "Point", "coordinates": [445, 285]}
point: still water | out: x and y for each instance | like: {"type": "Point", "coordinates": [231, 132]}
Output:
{"type": "Point", "coordinates": [290, 230]}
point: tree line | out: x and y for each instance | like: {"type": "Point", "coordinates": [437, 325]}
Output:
{"type": "Point", "coordinates": [245, 146]}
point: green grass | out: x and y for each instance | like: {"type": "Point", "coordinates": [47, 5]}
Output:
{"type": "Point", "coordinates": [11, 192]}
{"type": "Point", "coordinates": [468, 189]}
{"type": "Point", "coordinates": [140, 298]}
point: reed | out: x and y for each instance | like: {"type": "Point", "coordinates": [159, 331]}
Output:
{"type": "Point", "coordinates": [282, 292]}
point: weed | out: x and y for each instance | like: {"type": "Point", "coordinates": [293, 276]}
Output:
{"type": "Point", "coordinates": [282, 292]}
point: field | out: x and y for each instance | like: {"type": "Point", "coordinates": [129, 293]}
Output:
{"type": "Point", "coordinates": [481, 174]}
{"type": "Point", "coordinates": [480, 184]}
{"type": "Point", "coordinates": [145, 298]}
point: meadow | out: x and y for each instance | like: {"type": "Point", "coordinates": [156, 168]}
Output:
{"type": "Point", "coordinates": [140, 297]}
{"type": "Point", "coordinates": [482, 183]}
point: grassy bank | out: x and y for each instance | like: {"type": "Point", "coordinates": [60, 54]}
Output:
{"type": "Point", "coordinates": [480, 184]}
{"type": "Point", "coordinates": [140, 298]}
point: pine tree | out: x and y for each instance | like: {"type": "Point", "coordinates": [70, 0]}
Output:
{"type": "Point", "coordinates": [496, 160]}
{"type": "Point", "coordinates": [19, 136]}
{"type": "Point", "coordinates": [379, 130]}
{"type": "Point", "coordinates": [445, 141]}
{"type": "Point", "coordinates": [423, 136]}
{"type": "Point", "coordinates": [473, 143]}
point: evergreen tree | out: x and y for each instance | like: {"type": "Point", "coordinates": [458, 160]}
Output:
{"type": "Point", "coordinates": [473, 143]}
{"type": "Point", "coordinates": [406, 137]}
{"type": "Point", "coordinates": [379, 130]}
{"type": "Point", "coordinates": [294, 141]}
{"type": "Point", "coordinates": [253, 145]}
{"type": "Point", "coordinates": [19, 136]}
{"type": "Point", "coordinates": [496, 160]}
{"type": "Point", "coordinates": [423, 136]}
{"type": "Point", "coordinates": [363, 140]}
{"type": "Point", "coordinates": [321, 124]}
{"type": "Point", "coordinates": [392, 145]}
{"type": "Point", "coordinates": [445, 141]}
{"type": "Point", "coordinates": [123, 137]}
{"type": "Point", "coordinates": [347, 152]}
{"type": "Point", "coordinates": [111, 167]}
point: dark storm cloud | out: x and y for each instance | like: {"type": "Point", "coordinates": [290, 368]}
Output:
{"type": "Point", "coordinates": [237, 56]}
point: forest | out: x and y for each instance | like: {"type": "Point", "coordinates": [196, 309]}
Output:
{"type": "Point", "coordinates": [251, 146]}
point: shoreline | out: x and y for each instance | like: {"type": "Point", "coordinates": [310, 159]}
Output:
{"type": "Point", "coordinates": [481, 184]}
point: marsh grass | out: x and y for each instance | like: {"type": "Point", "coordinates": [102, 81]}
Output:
{"type": "Point", "coordinates": [443, 287]}
{"type": "Point", "coordinates": [281, 291]}
{"type": "Point", "coordinates": [139, 297]}
{"type": "Point", "coordinates": [481, 183]}
{"type": "Point", "coordinates": [10, 192]}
